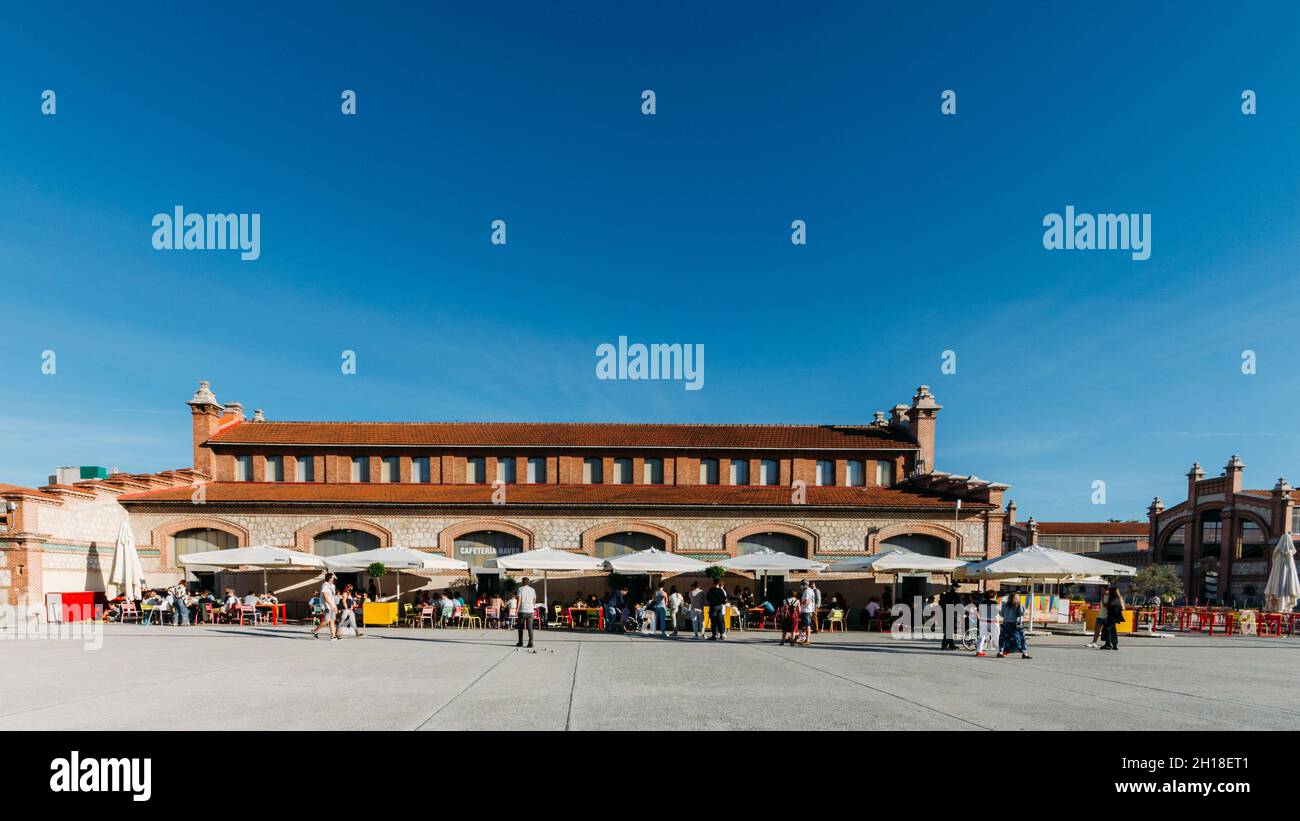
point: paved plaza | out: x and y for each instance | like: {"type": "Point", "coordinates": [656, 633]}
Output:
{"type": "Point", "coordinates": [229, 677]}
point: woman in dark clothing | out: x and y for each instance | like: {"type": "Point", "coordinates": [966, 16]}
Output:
{"type": "Point", "coordinates": [1114, 618]}
{"type": "Point", "coordinates": [1012, 635]}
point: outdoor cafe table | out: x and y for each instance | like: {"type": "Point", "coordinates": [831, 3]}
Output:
{"type": "Point", "coordinates": [587, 615]}
{"type": "Point", "coordinates": [277, 612]}
{"type": "Point", "coordinates": [1275, 622]}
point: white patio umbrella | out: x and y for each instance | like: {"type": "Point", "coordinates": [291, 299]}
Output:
{"type": "Point", "coordinates": [654, 562]}
{"type": "Point", "coordinates": [395, 558]}
{"type": "Point", "coordinates": [763, 563]}
{"type": "Point", "coordinates": [896, 561]}
{"type": "Point", "coordinates": [1043, 563]}
{"type": "Point", "coordinates": [127, 574]}
{"type": "Point", "coordinates": [258, 557]}
{"type": "Point", "coordinates": [547, 559]}
{"type": "Point", "coordinates": [1283, 587]}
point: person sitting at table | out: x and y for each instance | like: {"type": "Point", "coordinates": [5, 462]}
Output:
{"type": "Point", "coordinates": [747, 599]}
{"type": "Point", "coordinates": [149, 605]}
{"type": "Point", "coordinates": [578, 600]}
{"type": "Point", "coordinates": [230, 608]}
{"type": "Point", "coordinates": [593, 601]}
{"type": "Point", "coordinates": [251, 599]}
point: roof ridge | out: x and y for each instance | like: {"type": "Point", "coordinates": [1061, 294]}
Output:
{"type": "Point", "coordinates": [538, 424]}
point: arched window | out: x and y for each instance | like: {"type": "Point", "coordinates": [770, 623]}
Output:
{"type": "Point", "coordinates": [338, 542]}
{"type": "Point", "coordinates": [1211, 534]}
{"type": "Point", "coordinates": [1174, 546]}
{"type": "Point", "coordinates": [481, 546]}
{"type": "Point", "coordinates": [779, 542]}
{"type": "Point", "coordinates": [202, 540]}
{"type": "Point", "coordinates": [917, 543]}
{"type": "Point", "coordinates": [619, 544]}
{"type": "Point", "coordinates": [1253, 544]}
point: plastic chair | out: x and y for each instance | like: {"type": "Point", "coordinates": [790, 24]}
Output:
{"type": "Point", "coordinates": [128, 612]}
{"type": "Point", "coordinates": [468, 619]}
{"type": "Point", "coordinates": [491, 617]}
{"type": "Point", "coordinates": [836, 617]}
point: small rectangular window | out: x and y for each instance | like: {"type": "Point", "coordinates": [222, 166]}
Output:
{"type": "Point", "coordinates": [506, 470]}
{"type": "Point", "coordinates": [537, 470]}
{"type": "Point", "coordinates": [885, 474]}
{"type": "Point", "coordinates": [855, 474]}
{"type": "Point", "coordinates": [476, 470]}
{"type": "Point", "coordinates": [653, 474]}
{"type": "Point", "coordinates": [740, 471]}
{"type": "Point", "coordinates": [825, 472]}
{"type": "Point", "coordinates": [708, 471]}
{"type": "Point", "coordinates": [593, 471]}
{"type": "Point", "coordinates": [306, 469]}
{"type": "Point", "coordinates": [769, 472]}
{"type": "Point", "coordinates": [420, 469]}
{"type": "Point", "coordinates": [390, 469]}
{"type": "Point", "coordinates": [361, 468]}
{"type": "Point", "coordinates": [622, 471]}
{"type": "Point", "coordinates": [243, 468]}
{"type": "Point", "coordinates": [275, 468]}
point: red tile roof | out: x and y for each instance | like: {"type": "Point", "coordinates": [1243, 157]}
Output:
{"type": "Point", "coordinates": [552, 495]}
{"type": "Point", "coordinates": [566, 434]}
{"type": "Point", "coordinates": [1092, 528]}
{"type": "Point", "coordinates": [6, 489]}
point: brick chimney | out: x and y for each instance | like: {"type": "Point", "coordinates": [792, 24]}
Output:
{"type": "Point", "coordinates": [1196, 474]}
{"type": "Point", "coordinates": [233, 415]}
{"type": "Point", "coordinates": [206, 414]}
{"type": "Point", "coordinates": [920, 421]}
{"type": "Point", "coordinates": [1233, 472]}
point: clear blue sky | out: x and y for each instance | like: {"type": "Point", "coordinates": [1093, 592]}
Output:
{"type": "Point", "coordinates": [925, 232]}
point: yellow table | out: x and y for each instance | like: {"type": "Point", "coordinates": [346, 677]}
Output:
{"type": "Point", "coordinates": [379, 612]}
{"type": "Point", "coordinates": [726, 618]}
{"type": "Point", "coordinates": [1090, 621]}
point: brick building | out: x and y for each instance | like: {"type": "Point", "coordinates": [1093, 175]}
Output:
{"type": "Point", "coordinates": [1221, 537]}
{"type": "Point", "coordinates": [478, 490]}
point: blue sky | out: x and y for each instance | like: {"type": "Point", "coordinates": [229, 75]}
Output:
{"type": "Point", "coordinates": [924, 231]}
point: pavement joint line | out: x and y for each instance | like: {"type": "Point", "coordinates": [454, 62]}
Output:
{"type": "Point", "coordinates": [466, 688]}
{"type": "Point", "coordinates": [573, 686]}
{"type": "Point", "coordinates": [876, 689]}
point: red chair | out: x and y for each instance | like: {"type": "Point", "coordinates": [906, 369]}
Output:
{"type": "Point", "coordinates": [491, 616]}
{"type": "Point", "coordinates": [248, 611]}
{"type": "Point", "coordinates": [426, 613]}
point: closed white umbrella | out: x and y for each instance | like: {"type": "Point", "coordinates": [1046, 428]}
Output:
{"type": "Point", "coordinates": [128, 573]}
{"type": "Point", "coordinates": [1283, 588]}
{"type": "Point", "coordinates": [260, 557]}
{"type": "Point", "coordinates": [395, 558]}
{"type": "Point", "coordinates": [547, 559]}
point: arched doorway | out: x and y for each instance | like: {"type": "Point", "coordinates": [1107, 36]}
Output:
{"type": "Point", "coordinates": [480, 547]}
{"type": "Point", "coordinates": [201, 540]}
{"type": "Point", "coordinates": [339, 542]}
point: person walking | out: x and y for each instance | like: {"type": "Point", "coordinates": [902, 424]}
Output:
{"type": "Point", "coordinates": [788, 618]}
{"type": "Point", "coordinates": [988, 623]}
{"type": "Point", "coordinates": [675, 602]}
{"type": "Point", "coordinates": [697, 600]}
{"type": "Point", "coordinates": [1114, 618]}
{"type": "Point", "coordinates": [329, 599]}
{"type": "Point", "coordinates": [949, 611]}
{"type": "Point", "coordinates": [347, 618]}
{"type": "Point", "coordinates": [659, 603]}
{"type": "Point", "coordinates": [526, 597]}
{"type": "Point", "coordinates": [1100, 623]}
{"type": "Point", "coordinates": [716, 599]}
{"type": "Point", "coordinates": [1012, 633]}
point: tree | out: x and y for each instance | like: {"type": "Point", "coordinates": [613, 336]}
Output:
{"type": "Point", "coordinates": [377, 571]}
{"type": "Point", "coordinates": [1159, 580]}
{"type": "Point", "coordinates": [716, 572]}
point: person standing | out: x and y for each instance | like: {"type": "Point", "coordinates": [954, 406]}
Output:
{"type": "Point", "coordinates": [675, 601]}
{"type": "Point", "coordinates": [526, 598]}
{"type": "Point", "coordinates": [1012, 633]}
{"type": "Point", "coordinates": [949, 611]}
{"type": "Point", "coordinates": [182, 612]}
{"type": "Point", "coordinates": [1114, 618]}
{"type": "Point", "coordinates": [659, 602]}
{"type": "Point", "coordinates": [788, 618]}
{"type": "Point", "coordinates": [716, 599]}
{"type": "Point", "coordinates": [988, 623]}
{"type": "Point", "coordinates": [807, 612]}
{"type": "Point", "coordinates": [817, 605]}
{"type": "Point", "coordinates": [329, 599]}
{"type": "Point", "coordinates": [697, 599]}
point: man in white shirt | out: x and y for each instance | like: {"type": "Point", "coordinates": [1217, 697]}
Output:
{"type": "Point", "coordinates": [526, 597]}
{"type": "Point", "coordinates": [807, 611]}
{"type": "Point", "coordinates": [675, 600]}
{"type": "Point", "coordinates": [251, 599]}
{"type": "Point", "coordinates": [329, 600]}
